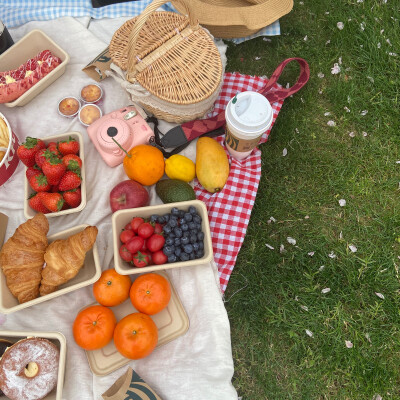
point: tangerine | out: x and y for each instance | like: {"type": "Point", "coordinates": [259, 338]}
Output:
{"type": "Point", "coordinates": [144, 164]}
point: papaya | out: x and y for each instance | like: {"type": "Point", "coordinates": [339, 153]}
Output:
{"type": "Point", "coordinates": [212, 164]}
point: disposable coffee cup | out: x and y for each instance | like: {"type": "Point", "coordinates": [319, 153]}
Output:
{"type": "Point", "coordinates": [248, 115]}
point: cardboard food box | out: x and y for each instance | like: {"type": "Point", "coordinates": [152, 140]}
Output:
{"type": "Point", "coordinates": [28, 211]}
{"type": "Point", "coordinates": [55, 337]}
{"type": "Point", "coordinates": [88, 274]}
{"type": "Point", "coordinates": [122, 217]}
{"type": "Point", "coordinates": [28, 47]}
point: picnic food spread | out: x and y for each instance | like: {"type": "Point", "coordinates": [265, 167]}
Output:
{"type": "Point", "coordinates": [127, 319]}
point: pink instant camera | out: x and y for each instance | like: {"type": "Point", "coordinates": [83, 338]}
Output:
{"type": "Point", "coordinates": [124, 126]}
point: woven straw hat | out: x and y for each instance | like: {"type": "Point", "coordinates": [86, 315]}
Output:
{"type": "Point", "coordinates": [236, 18]}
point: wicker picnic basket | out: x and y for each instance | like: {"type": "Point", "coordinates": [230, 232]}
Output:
{"type": "Point", "coordinates": [168, 64]}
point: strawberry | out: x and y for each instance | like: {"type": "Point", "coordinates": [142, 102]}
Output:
{"type": "Point", "coordinates": [33, 171]}
{"type": "Point", "coordinates": [70, 180]}
{"type": "Point", "coordinates": [54, 169]}
{"type": "Point", "coordinates": [52, 146]}
{"type": "Point", "coordinates": [39, 183]}
{"type": "Point", "coordinates": [72, 161]}
{"type": "Point", "coordinates": [52, 201]}
{"type": "Point", "coordinates": [54, 189]}
{"type": "Point", "coordinates": [72, 197]}
{"type": "Point", "coordinates": [27, 150]}
{"type": "Point", "coordinates": [36, 204]}
{"type": "Point", "coordinates": [70, 146]}
{"type": "Point", "coordinates": [42, 155]}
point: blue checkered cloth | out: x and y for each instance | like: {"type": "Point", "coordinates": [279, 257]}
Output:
{"type": "Point", "coordinates": [18, 12]}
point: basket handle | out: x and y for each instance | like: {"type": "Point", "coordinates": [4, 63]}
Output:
{"type": "Point", "coordinates": [140, 22]}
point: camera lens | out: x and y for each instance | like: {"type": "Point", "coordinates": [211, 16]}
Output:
{"type": "Point", "coordinates": [112, 131]}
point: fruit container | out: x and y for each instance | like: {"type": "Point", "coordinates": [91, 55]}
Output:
{"type": "Point", "coordinates": [88, 274]}
{"type": "Point", "coordinates": [55, 337]}
{"type": "Point", "coordinates": [122, 217]}
{"type": "Point", "coordinates": [172, 322]}
{"type": "Point", "coordinates": [10, 161]}
{"type": "Point", "coordinates": [28, 211]}
{"type": "Point", "coordinates": [27, 47]}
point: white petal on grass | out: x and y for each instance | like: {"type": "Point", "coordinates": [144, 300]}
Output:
{"type": "Point", "coordinates": [340, 60]}
{"type": "Point", "coordinates": [325, 290]}
{"type": "Point", "coordinates": [328, 41]}
{"type": "Point", "coordinates": [282, 249]}
{"type": "Point", "coordinates": [331, 123]}
{"type": "Point", "coordinates": [320, 75]}
{"type": "Point", "coordinates": [341, 235]}
{"type": "Point", "coordinates": [388, 42]}
{"type": "Point", "coordinates": [321, 268]}
{"type": "Point", "coordinates": [349, 345]}
{"type": "Point", "coordinates": [368, 337]}
{"type": "Point", "coordinates": [342, 202]}
{"type": "Point", "coordinates": [397, 162]}
{"type": "Point", "coordinates": [332, 255]}
{"type": "Point", "coordinates": [291, 240]}
{"type": "Point", "coordinates": [378, 396]}
{"type": "Point", "coordinates": [393, 54]}
{"type": "Point", "coordinates": [267, 40]}
{"type": "Point", "coordinates": [305, 38]}
{"type": "Point", "coordinates": [352, 134]}
{"type": "Point", "coordinates": [347, 109]}
{"type": "Point", "coordinates": [353, 248]}
{"type": "Point", "coordinates": [257, 58]}
{"type": "Point", "coordinates": [327, 114]}
{"type": "Point", "coordinates": [340, 25]}
{"type": "Point", "coordinates": [379, 45]}
{"type": "Point", "coordinates": [305, 308]}
{"type": "Point", "coordinates": [364, 112]}
{"type": "Point", "coordinates": [311, 253]}
{"type": "Point", "coordinates": [309, 333]}
{"type": "Point", "coordinates": [296, 298]}
{"type": "Point", "coordinates": [284, 152]}
{"type": "Point", "coordinates": [335, 69]}
{"type": "Point", "coordinates": [371, 79]}
{"type": "Point", "coordinates": [365, 134]}
{"type": "Point", "coordinates": [269, 246]}
{"type": "Point", "coordinates": [307, 217]}
{"type": "Point", "coordinates": [380, 295]}
{"type": "Point", "coordinates": [362, 26]}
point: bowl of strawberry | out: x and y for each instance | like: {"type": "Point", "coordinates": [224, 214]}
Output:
{"type": "Point", "coordinates": [54, 174]}
{"type": "Point", "coordinates": [171, 235]}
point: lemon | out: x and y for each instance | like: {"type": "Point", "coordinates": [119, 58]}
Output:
{"type": "Point", "coordinates": [180, 167]}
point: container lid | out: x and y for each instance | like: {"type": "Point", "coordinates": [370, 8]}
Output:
{"type": "Point", "coordinates": [250, 112]}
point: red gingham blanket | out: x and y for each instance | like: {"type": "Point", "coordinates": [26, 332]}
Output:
{"type": "Point", "coordinates": [229, 210]}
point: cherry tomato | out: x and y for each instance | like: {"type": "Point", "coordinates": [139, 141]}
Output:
{"type": "Point", "coordinates": [145, 230]}
{"type": "Point", "coordinates": [155, 242]}
{"type": "Point", "coordinates": [126, 236]}
{"type": "Point", "coordinates": [141, 259]}
{"type": "Point", "coordinates": [159, 257]}
{"type": "Point", "coordinates": [136, 221]}
{"type": "Point", "coordinates": [158, 228]}
{"type": "Point", "coordinates": [135, 244]}
{"type": "Point", "coordinates": [125, 253]}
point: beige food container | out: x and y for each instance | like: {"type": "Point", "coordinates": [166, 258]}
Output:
{"type": "Point", "coordinates": [10, 161]}
{"type": "Point", "coordinates": [59, 340]}
{"type": "Point", "coordinates": [28, 211]}
{"type": "Point", "coordinates": [89, 273]}
{"type": "Point", "coordinates": [28, 47]}
{"type": "Point", "coordinates": [122, 217]}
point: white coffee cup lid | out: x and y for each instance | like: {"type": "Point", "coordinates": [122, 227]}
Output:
{"type": "Point", "coordinates": [251, 112]}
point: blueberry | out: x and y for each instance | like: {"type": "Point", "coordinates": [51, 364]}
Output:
{"type": "Point", "coordinates": [171, 235]}
{"type": "Point", "coordinates": [177, 242]}
{"type": "Point", "coordinates": [169, 241]}
{"type": "Point", "coordinates": [193, 239]}
{"type": "Point", "coordinates": [197, 219]}
{"type": "Point", "coordinates": [174, 211]}
{"type": "Point", "coordinates": [154, 218]}
{"type": "Point", "coordinates": [192, 210]}
{"type": "Point", "coordinates": [195, 246]}
{"type": "Point", "coordinates": [160, 220]}
{"type": "Point", "coordinates": [199, 253]}
{"type": "Point", "coordinates": [192, 256]}
{"type": "Point", "coordinates": [185, 227]}
{"type": "Point", "coordinates": [186, 234]}
{"type": "Point", "coordinates": [188, 248]}
{"type": "Point", "coordinates": [188, 217]}
{"type": "Point", "coordinates": [181, 213]}
{"type": "Point", "coordinates": [167, 229]}
{"type": "Point", "coordinates": [184, 256]}
{"type": "Point", "coordinates": [185, 240]}
{"type": "Point", "coordinates": [201, 246]}
{"type": "Point", "coordinates": [200, 236]}
{"type": "Point", "coordinates": [166, 217]}
{"type": "Point", "coordinates": [168, 250]}
{"type": "Point", "coordinates": [178, 232]}
{"type": "Point", "coordinates": [172, 258]}
{"type": "Point", "coordinates": [172, 223]}
{"type": "Point", "coordinates": [192, 225]}
{"type": "Point", "coordinates": [198, 227]}
{"type": "Point", "coordinates": [193, 232]}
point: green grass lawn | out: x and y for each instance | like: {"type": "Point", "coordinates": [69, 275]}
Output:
{"type": "Point", "coordinates": [275, 297]}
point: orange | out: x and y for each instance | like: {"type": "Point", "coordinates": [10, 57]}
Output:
{"type": "Point", "coordinates": [112, 288]}
{"type": "Point", "coordinates": [94, 327]}
{"type": "Point", "coordinates": [144, 164]}
{"type": "Point", "coordinates": [150, 293]}
{"type": "Point", "coordinates": [136, 336]}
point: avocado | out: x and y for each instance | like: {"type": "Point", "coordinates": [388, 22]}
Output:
{"type": "Point", "coordinates": [174, 190]}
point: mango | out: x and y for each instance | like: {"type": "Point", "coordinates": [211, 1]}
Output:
{"type": "Point", "coordinates": [212, 165]}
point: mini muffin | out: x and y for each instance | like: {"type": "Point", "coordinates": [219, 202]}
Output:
{"type": "Point", "coordinates": [69, 106]}
{"type": "Point", "coordinates": [89, 113]}
{"type": "Point", "coordinates": [91, 93]}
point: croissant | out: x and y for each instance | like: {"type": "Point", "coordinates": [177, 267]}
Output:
{"type": "Point", "coordinates": [64, 258]}
{"type": "Point", "coordinates": [22, 258]}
